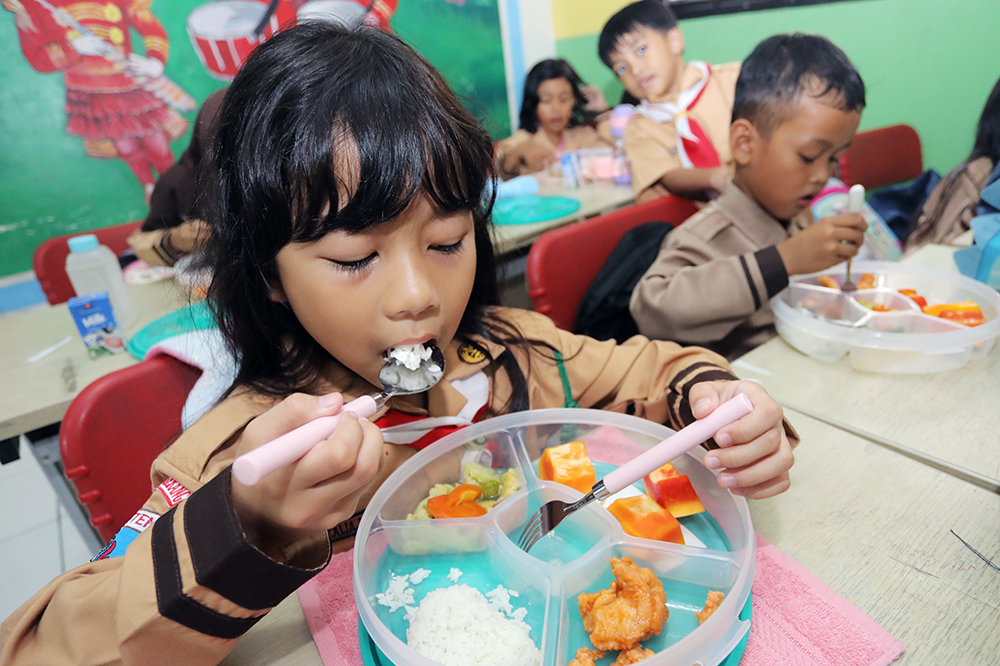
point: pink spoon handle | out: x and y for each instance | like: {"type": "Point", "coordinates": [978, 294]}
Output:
{"type": "Point", "coordinates": [683, 440]}
{"type": "Point", "coordinates": [253, 466]}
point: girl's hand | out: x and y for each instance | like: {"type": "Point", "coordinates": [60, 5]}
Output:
{"type": "Point", "coordinates": [537, 156]}
{"type": "Point", "coordinates": [595, 99]}
{"type": "Point", "coordinates": [823, 244]}
{"type": "Point", "coordinates": [754, 452]}
{"type": "Point", "coordinates": [316, 492]}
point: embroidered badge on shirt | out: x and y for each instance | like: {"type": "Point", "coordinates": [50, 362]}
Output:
{"type": "Point", "coordinates": [471, 353]}
{"type": "Point", "coordinates": [136, 525]}
{"type": "Point", "coordinates": [173, 492]}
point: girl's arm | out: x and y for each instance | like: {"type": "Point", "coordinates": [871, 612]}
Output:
{"type": "Point", "coordinates": [670, 384]}
{"type": "Point", "coordinates": [193, 571]}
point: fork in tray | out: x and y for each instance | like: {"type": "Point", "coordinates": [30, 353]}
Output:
{"type": "Point", "coordinates": [552, 513]}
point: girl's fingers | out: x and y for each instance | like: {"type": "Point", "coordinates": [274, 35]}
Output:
{"type": "Point", "coordinates": [339, 454]}
{"type": "Point", "coordinates": [759, 470]}
{"type": "Point", "coordinates": [292, 412]}
{"type": "Point", "coordinates": [769, 488]}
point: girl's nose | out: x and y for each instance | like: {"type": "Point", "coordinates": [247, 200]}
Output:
{"type": "Point", "coordinates": [412, 292]}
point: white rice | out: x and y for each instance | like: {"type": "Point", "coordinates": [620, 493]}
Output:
{"type": "Point", "coordinates": [409, 368]}
{"type": "Point", "coordinates": [458, 626]}
{"type": "Point", "coordinates": [454, 574]}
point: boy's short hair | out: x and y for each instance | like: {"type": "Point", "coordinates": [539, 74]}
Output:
{"type": "Point", "coordinates": [654, 14]}
{"type": "Point", "coordinates": [783, 67]}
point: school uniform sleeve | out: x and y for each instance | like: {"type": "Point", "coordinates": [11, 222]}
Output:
{"type": "Point", "coordinates": [652, 150]}
{"type": "Point", "coordinates": [642, 377]}
{"type": "Point", "coordinates": [179, 584]}
{"type": "Point", "coordinates": [695, 292]}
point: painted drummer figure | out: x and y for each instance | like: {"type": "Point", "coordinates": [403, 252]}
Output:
{"type": "Point", "coordinates": [107, 104]}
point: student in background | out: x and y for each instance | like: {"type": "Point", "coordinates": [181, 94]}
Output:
{"type": "Point", "coordinates": [952, 203]}
{"type": "Point", "coordinates": [798, 104]}
{"type": "Point", "coordinates": [175, 224]}
{"type": "Point", "coordinates": [556, 115]}
{"type": "Point", "coordinates": [338, 234]}
{"type": "Point", "coordinates": [678, 141]}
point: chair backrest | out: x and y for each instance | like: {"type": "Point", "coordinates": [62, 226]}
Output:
{"type": "Point", "coordinates": [882, 156]}
{"type": "Point", "coordinates": [115, 428]}
{"type": "Point", "coordinates": [563, 262]}
{"type": "Point", "coordinates": [49, 261]}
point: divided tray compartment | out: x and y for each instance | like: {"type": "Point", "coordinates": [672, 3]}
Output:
{"type": "Point", "coordinates": [827, 323]}
{"type": "Point", "coordinates": [574, 558]}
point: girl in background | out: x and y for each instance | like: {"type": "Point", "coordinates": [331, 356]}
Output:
{"type": "Point", "coordinates": [347, 219]}
{"type": "Point", "coordinates": [556, 113]}
{"type": "Point", "coordinates": [951, 205]}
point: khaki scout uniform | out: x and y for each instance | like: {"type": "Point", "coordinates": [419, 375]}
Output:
{"type": "Point", "coordinates": [573, 138]}
{"type": "Point", "coordinates": [652, 146]}
{"type": "Point", "coordinates": [190, 585]}
{"type": "Point", "coordinates": [711, 282]}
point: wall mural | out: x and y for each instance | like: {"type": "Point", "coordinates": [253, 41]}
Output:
{"type": "Point", "coordinates": [97, 96]}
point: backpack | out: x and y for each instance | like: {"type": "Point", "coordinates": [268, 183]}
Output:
{"type": "Point", "coordinates": [603, 311]}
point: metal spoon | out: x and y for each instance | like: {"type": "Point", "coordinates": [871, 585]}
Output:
{"type": "Point", "coordinates": [855, 201]}
{"type": "Point", "coordinates": [396, 379]}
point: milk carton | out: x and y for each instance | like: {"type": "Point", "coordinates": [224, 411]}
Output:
{"type": "Point", "coordinates": [96, 322]}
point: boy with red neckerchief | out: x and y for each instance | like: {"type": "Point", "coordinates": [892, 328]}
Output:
{"type": "Point", "coordinates": [678, 140]}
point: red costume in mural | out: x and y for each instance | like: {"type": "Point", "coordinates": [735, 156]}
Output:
{"type": "Point", "coordinates": [116, 100]}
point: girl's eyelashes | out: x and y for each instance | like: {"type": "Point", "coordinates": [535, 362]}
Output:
{"type": "Point", "coordinates": [454, 248]}
{"type": "Point", "coordinates": [354, 266]}
{"type": "Point", "coordinates": [807, 159]}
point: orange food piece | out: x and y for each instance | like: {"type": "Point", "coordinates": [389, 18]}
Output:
{"type": "Point", "coordinates": [459, 503]}
{"type": "Point", "coordinates": [966, 312]}
{"type": "Point", "coordinates": [569, 465]}
{"type": "Point", "coordinates": [633, 656]}
{"type": "Point", "coordinates": [866, 281]}
{"type": "Point", "coordinates": [914, 296]}
{"type": "Point", "coordinates": [586, 657]}
{"type": "Point", "coordinates": [632, 609]}
{"type": "Point", "coordinates": [673, 491]}
{"type": "Point", "coordinates": [711, 604]}
{"type": "Point", "coordinates": [827, 281]}
{"type": "Point", "coordinates": [641, 516]}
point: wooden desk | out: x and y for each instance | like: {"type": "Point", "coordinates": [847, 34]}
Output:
{"type": "Point", "coordinates": [872, 525]}
{"type": "Point", "coordinates": [948, 415]}
{"type": "Point", "coordinates": [595, 199]}
{"type": "Point", "coordinates": [33, 395]}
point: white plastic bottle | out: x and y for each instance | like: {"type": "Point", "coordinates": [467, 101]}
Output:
{"type": "Point", "coordinates": [622, 166]}
{"type": "Point", "coordinates": [92, 268]}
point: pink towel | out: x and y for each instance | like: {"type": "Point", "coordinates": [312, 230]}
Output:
{"type": "Point", "coordinates": [796, 621]}
{"type": "Point", "coordinates": [799, 621]}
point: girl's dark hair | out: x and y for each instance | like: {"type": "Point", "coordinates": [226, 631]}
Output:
{"type": "Point", "coordinates": [546, 70]}
{"type": "Point", "coordinates": [314, 107]}
{"type": "Point", "coordinates": [987, 142]}
{"type": "Point", "coordinates": [653, 14]}
{"type": "Point", "coordinates": [782, 67]}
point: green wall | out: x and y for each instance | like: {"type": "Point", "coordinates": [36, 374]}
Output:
{"type": "Point", "coordinates": [926, 63]}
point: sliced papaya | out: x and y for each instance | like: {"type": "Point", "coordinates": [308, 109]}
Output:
{"type": "Point", "coordinates": [569, 465]}
{"type": "Point", "coordinates": [673, 491]}
{"type": "Point", "coordinates": [641, 516]}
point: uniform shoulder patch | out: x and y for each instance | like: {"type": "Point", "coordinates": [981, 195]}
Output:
{"type": "Point", "coordinates": [471, 353]}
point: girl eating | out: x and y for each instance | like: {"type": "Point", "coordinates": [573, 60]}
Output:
{"type": "Point", "coordinates": [347, 220]}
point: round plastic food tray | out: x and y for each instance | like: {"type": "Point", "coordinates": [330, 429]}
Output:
{"type": "Point", "coordinates": [574, 558]}
{"type": "Point", "coordinates": [828, 324]}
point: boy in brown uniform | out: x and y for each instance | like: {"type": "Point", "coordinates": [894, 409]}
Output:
{"type": "Point", "coordinates": [678, 140]}
{"type": "Point", "coordinates": [798, 105]}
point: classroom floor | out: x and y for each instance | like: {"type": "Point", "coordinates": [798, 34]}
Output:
{"type": "Point", "coordinates": [38, 541]}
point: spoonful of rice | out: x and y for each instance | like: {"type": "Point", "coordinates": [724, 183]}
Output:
{"type": "Point", "coordinates": [406, 369]}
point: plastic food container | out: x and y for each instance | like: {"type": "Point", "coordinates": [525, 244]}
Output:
{"type": "Point", "coordinates": [574, 558]}
{"type": "Point", "coordinates": [828, 324]}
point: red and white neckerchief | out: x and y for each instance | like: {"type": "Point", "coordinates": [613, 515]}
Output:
{"type": "Point", "coordinates": [694, 149]}
{"type": "Point", "coordinates": [421, 431]}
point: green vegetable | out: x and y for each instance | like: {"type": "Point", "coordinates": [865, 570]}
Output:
{"type": "Point", "coordinates": [487, 479]}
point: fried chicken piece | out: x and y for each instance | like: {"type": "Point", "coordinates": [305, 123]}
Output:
{"type": "Point", "coordinates": [632, 609]}
{"type": "Point", "coordinates": [586, 657]}
{"type": "Point", "coordinates": [633, 656]}
{"type": "Point", "coordinates": [711, 603]}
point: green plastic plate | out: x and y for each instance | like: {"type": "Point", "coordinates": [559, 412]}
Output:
{"type": "Point", "coordinates": [528, 210]}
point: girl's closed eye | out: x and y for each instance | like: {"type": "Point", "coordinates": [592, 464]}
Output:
{"type": "Point", "coordinates": [451, 248]}
{"type": "Point", "coordinates": [355, 265]}
{"type": "Point", "coordinates": [807, 159]}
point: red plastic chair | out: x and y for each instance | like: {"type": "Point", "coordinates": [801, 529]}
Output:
{"type": "Point", "coordinates": [563, 262]}
{"type": "Point", "coordinates": [882, 156]}
{"type": "Point", "coordinates": [114, 429]}
{"type": "Point", "coordinates": [49, 261]}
